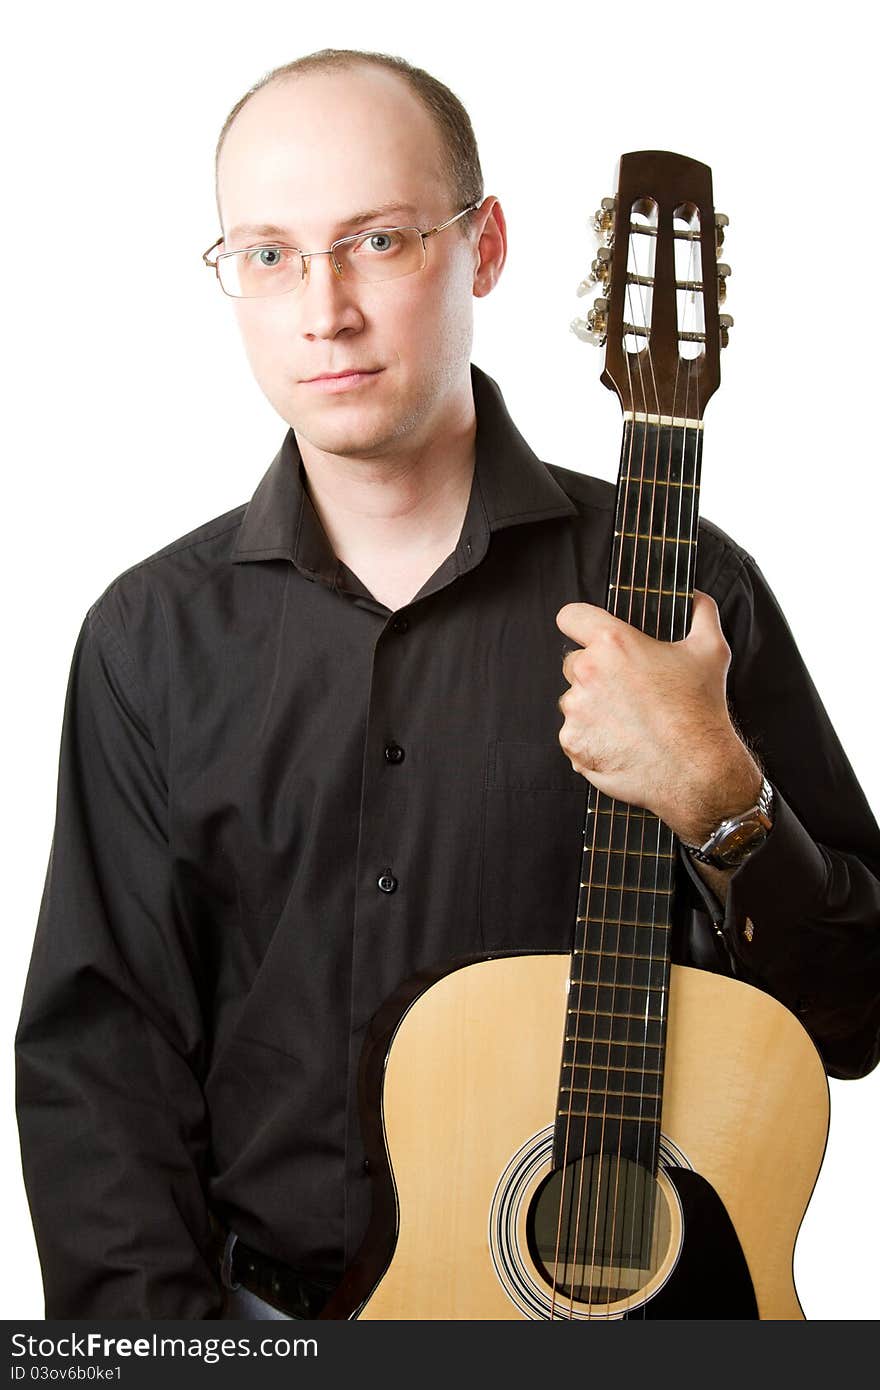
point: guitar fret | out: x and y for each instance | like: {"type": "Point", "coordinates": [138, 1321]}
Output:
{"type": "Point", "coordinates": [614, 984]}
{"type": "Point", "coordinates": [656, 482]}
{"type": "Point", "coordinates": [621, 887]}
{"type": "Point", "coordinates": [642, 1071]}
{"type": "Point", "coordinates": [641, 589]}
{"type": "Point", "coordinates": [619, 955]}
{"type": "Point", "coordinates": [621, 922]}
{"type": "Point", "coordinates": [617, 1013]}
{"type": "Point", "coordinates": [667, 540]}
{"type": "Point", "coordinates": [657, 967]}
{"type": "Point", "coordinates": [587, 1090]}
{"type": "Point", "coordinates": [582, 951]}
{"type": "Point", "coordinates": [606, 1042]}
{"type": "Point", "coordinates": [605, 1115]}
{"type": "Point", "coordinates": [606, 1018]}
{"type": "Point", "coordinates": [630, 851]}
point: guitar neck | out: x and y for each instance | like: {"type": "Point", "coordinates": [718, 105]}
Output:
{"type": "Point", "coordinates": [612, 1066]}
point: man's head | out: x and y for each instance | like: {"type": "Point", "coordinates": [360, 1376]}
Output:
{"type": "Point", "coordinates": [305, 150]}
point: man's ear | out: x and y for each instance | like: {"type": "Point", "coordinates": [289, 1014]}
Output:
{"type": "Point", "coordinates": [491, 247]}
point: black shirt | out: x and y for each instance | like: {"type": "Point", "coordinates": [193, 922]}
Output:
{"type": "Point", "coordinates": [278, 799]}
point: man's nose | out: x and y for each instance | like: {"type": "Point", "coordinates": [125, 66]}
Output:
{"type": "Point", "coordinates": [326, 304]}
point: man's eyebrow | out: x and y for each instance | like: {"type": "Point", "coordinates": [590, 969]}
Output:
{"type": "Point", "coordinates": [270, 229]}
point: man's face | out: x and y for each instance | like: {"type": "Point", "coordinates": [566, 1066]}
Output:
{"type": "Point", "coordinates": [306, 155]}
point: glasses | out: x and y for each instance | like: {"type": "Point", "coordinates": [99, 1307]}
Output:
{"type": "Point", "coordinates": [258, 271]}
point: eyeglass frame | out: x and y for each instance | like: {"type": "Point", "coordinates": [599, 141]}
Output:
{"type": "Point", "coordinates": [303, 255]}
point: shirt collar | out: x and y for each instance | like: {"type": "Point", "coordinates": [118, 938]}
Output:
{"type": "Point", "coordinates": [511, 486]}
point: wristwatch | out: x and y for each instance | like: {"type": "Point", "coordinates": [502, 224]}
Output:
{"type": "Point", "coordinates": [738, 836]}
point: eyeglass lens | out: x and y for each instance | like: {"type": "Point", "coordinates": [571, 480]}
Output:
{"type": "Point", "coordinates": [380, 254]}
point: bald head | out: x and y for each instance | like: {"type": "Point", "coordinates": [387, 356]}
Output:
{"type": "Point", "coordinates": [340, 140]}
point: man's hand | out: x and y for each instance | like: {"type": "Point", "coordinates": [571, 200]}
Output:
{"type": "Point", "coordinates": [646, 721]}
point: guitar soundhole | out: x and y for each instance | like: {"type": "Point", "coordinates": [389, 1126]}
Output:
{"type": "Point", "coordinates": [598, 1229]}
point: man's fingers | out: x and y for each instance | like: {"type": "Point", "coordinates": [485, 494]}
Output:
{"type": "Point", "coordinates": [583, 620]}
{"type": "Point", "coordinates": [705, 630]}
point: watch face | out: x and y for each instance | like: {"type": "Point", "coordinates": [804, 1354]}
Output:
{"type": "Point", "coordinates": [738, 842]}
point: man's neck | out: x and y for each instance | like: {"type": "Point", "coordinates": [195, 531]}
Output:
{"type": "Point", "coordinates": [394, 519]}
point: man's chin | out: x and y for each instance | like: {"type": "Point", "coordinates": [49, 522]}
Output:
{"type": "Point", "coordinates": [353, 440]}
{"type": "Point", "coordinates": [351, 432]}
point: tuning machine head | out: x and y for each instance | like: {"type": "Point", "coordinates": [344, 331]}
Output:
{"type": "Point", "coordinates": [723, 272]}
{"type": "Point", "coordinates": [725, 323]}
{"type": "Point", "coordinates": [594, 328]}
{"type": "Point", "coordinates": [721, 221]}
{"type": "Point", "coordinates": [603, 220]}
{"type": "Point", "coordinates": [600, 273]}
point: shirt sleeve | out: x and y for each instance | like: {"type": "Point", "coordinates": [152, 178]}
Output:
{"type": "Point", "coordinates": [802, 914]}
{"type": "Point", "coordinates": [112, 1118]}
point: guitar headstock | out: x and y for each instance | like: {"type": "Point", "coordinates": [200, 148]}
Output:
{"type": "Point", "coordinates": [661, 284]}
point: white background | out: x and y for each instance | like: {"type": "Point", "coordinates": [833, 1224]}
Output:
{"type": "Point", "coordinates": [131, 416]}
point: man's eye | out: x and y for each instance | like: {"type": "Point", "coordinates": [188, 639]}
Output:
{"type": "Point", "coordinates": [264, 257]}
{"type": "Point", "coordinates": [378, 243]}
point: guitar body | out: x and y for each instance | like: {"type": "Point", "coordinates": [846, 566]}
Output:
{"type": "Point", "coordinates": [463, 1146]}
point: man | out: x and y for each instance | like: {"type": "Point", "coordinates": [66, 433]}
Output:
{"type": "Point", "coordinates": [314, 746]}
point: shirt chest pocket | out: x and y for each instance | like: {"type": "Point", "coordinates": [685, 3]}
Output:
{"type": "Point", "coordinates": [534, 808]}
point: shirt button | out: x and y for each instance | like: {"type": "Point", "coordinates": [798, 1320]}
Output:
{"type": "Point", "coordinates": [386, 883]}
{"type": "Point", "coordinates": [394, 753]}
{"type": "Point", "coordinates": [400, 624]}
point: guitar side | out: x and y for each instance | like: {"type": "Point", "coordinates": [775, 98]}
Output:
{"type": "Point", "coordinates": [469, 1082]}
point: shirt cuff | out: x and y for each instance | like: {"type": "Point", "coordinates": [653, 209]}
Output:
{"type": "Point", "coordinates": [770, 896]}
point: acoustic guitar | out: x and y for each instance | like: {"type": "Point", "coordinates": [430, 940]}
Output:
{"type": "Point", "coordinates": [603, 1135]}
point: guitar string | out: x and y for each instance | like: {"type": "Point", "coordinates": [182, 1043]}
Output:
{"type": "Point", "coordinates": [624, 503]}
{"type": "Point", "coordinates": [603, 1158]}
{"type": "Point", "coordinates": [630, 1198]}
{"type": "Point", "coordinates": [680, 446]}
{"type": "Point", "coordinates": [590, 883]}
{"type": "Point", "coordinates": [651, 988]}
{"type": "Point", "coordinates": [633, 1171]}
{"type": "Point", "coordinates": [598, 1211]}
{"type": "Point", "coordinates": [690, 374]}
{"type": "Point", "coordinates": [589, 862]}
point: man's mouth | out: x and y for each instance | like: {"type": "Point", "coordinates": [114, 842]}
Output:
{"type": "Point", "coordinates": [342, 381]}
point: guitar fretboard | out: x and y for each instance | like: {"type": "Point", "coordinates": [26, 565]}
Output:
{"type": "Point", "coordinates": [611, 1082]}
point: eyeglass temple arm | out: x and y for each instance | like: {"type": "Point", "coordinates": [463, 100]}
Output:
{"type": "Point", "coordinates": [450, 220]}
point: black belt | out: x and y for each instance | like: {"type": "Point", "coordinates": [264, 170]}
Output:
{"type": "Point", "coordinates": [297, 1294]}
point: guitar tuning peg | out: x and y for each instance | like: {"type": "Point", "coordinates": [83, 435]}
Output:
{"type": "Point", "coordinates": [600, 272]}
{"type": "Point", "coordinates": [594, 328]}
{"type": "Point", "coordinates": [723, 272]}
{"type": "Point", "coordinates": [603, 219]}
{"type": "Point", "coordinates": [725, 323]}
{"type": "Point", "coordinates": [721, 221]}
